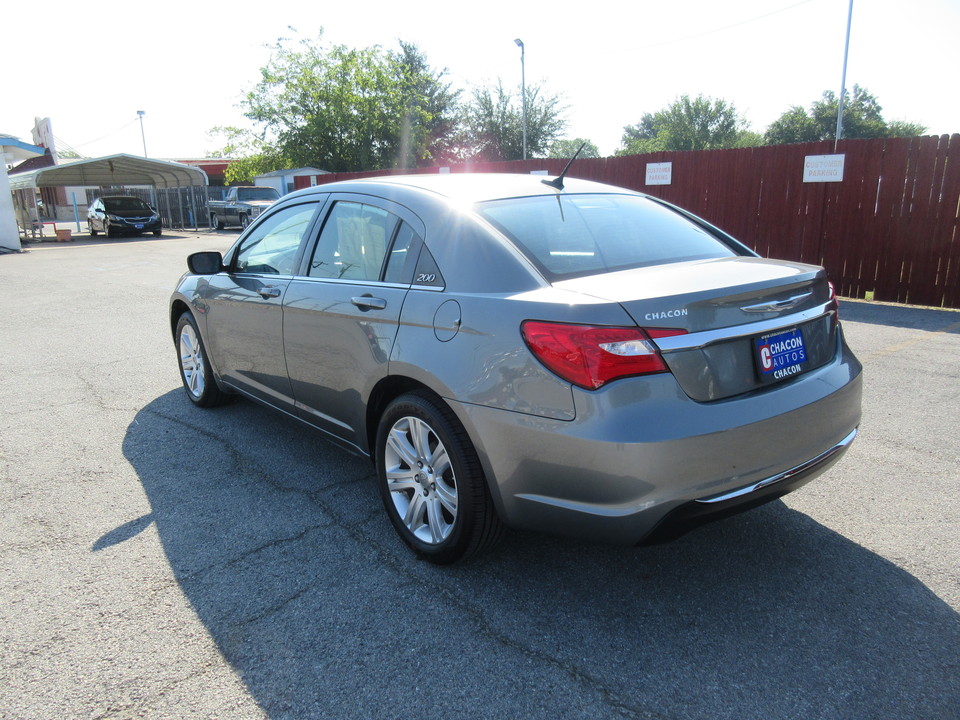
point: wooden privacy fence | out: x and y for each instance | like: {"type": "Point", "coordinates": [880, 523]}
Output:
{"type": "Point", "coordinates": [889, 228]}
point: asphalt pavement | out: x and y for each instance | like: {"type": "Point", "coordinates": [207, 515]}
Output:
{"type": "Point", "coordinates": [162, 561]}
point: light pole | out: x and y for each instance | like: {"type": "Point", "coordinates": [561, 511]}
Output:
{"type": "Point", "coordinates": [843, 80]}
{"type": "Point", "coordinates": [523, 93]}
{"type": "Point", "coordinates": [141, 113]}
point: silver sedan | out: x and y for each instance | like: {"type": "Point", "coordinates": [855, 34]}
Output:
{"type": "Point", "coordinates": [555, 355]}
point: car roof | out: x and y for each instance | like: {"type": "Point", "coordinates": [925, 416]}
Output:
{"type": "Point", "coordinates": [469, 187]}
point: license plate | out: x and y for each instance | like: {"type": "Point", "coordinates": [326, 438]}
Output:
{"type": "Point", "coordinates": [139, 227]}
{"type": "Point", "coordinates": [780, 355]}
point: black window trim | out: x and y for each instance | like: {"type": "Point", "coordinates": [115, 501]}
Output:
{"type": "Point", "coordinates": [403, 213]}
{"type": "Point", "coordinates": [230, 259]}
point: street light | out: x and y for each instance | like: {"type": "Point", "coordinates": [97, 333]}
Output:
{"type": "Point", "coordinates": [523, 93]}
{"type": "Point", "coordinates": [843, 81]}
{"type": "Point", "coordinates": [141, 113]}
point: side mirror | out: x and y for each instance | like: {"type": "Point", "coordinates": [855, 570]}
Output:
{"type": "Point", "coordinates": [205, 263]}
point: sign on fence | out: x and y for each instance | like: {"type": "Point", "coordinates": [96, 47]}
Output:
{"type": "Point", "coordinates": [659, 173]}
{"type": "Point", "coordinates": [823, 168]}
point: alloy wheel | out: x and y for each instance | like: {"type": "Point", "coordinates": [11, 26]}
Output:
{"type": "Point", "coordinates": [420, 480]}
{"type": "Point", "coordinates": [191, 361]}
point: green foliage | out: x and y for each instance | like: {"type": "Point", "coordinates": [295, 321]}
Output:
{"type": "Point", "coordinates": [342, 109]}
{"type": "Point", "coordinates": [862, 118]}
{"type": "Point", "coordinates": [564, 149]}
{"type": "Point", "coordinates": [493, 123]}
{"type": "Point", "coordinates": [749, 138]}
{"type": "Point", "coordinates": [794, 126]}
{"type": "Point", "coordinates": [701, 123]}
{"type": "Point", "coordinates": [251, 155]}
{"type": "Point", "coordinates": [430, 112]}
{"type": "Point", "coordinates": [902, 128]}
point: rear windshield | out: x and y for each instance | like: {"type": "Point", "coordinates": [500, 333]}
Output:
{"type": "Point", "coordinates": [121, 204]}
{"type": "Point", "coordinates": [250, 194]}
{"type": "Point", "coordinates": [573, 235]}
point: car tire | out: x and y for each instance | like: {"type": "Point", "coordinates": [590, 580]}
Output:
{"type": "Point", "coordinates": [157, 233]}
{"type": "Point", "coordinates": [195, 369]}
{"type": "Point", "coordinates": [93, 233]}
{"type": "Point", "coordinates": [244, 222]}
{"type": "Point", "coordinates": [108, 231]}
{"type": "Point", "coordinates": [431, 482]}
{"type": "Point", "coordinates": [215, 222]}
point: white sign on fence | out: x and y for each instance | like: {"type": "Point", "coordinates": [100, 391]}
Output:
{"type": "Point", "coordinates": [823, 168]}
{"type": "Point", "coordinates": [659, 173]}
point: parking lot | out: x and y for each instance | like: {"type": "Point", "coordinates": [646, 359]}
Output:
{"type": "Point", "coordinates": [159, 560]}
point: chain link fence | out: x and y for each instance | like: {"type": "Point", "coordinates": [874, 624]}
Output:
{"type": "Point", "coordinates": [180, 208]}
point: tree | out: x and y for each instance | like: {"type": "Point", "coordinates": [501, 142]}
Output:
{"type": "Point", "coordinates": [701, 123]}
{"type": "Point", "coordinates": [343, 109]}
{"type": "Point", "coordinates": [250, 155]}
{"type": "Point", "coordinates": [794, 126]}
{"type": "Point", "coordinates": [565, 149]}
{"type": "Point", "coordinates": [862, 118]}
{"type": "Point", "coordinates": [493, 123]}
{"type": "Point", "coordinates": [641, 138]}
{"type": "Point", "coordinates": [902, 128]}
{"type": "Point", "coordinates": [430, 117]}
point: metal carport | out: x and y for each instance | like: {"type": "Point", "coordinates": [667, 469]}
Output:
{"type": "Point", "coordinates": [110, 171]}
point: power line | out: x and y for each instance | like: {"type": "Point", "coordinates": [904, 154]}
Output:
{"type": "Point", "coordinates": [113, 132]}
{"type": "Point", "coordinates": [68, 147]}
{"type": "Point", "coordinates": [725, 27]}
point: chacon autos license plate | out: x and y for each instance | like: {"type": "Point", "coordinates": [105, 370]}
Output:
{"type": "Point", "coordinates": [780, 355]}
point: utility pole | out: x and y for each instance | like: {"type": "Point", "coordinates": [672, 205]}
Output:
{"type": "Point", "coordinates": [523, 92]}
{"type": "Point", "coordinates": [141, 113]}
{"type": "Point", "coordinates": [843, 80]}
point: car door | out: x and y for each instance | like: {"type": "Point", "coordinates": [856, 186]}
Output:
{"type": "Point", "coordinates": [244, 305]}
{"type": "Point", "coordinates": [341, 316]}
{"type": "Point", "coordinates": [95, 216]}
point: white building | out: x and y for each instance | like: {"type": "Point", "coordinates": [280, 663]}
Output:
{"type": "Point", "coordinates": [282, 180]}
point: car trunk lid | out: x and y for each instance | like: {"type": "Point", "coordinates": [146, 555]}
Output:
{"type": "Point", "coordinates": [748, 323]}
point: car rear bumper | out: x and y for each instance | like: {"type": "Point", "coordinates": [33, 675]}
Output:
{"type": "Point", "coordinates": [641, 456]}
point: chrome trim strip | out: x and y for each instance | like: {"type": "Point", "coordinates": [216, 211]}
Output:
{"type": "Point", "coordinates": [352, 281]}
{"type": "Point", "coordinates": [695, 341]}
{"type": "Point", "coordinates": [809, 464]}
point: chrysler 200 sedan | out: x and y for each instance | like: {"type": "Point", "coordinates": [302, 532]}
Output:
{"type": "Point", "coordinates": [562, 356]}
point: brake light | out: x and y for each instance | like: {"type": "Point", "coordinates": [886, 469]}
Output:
{"type": "Point", "coordinates": [835, 301]}
{"type": "Point", "coordinates": [591, 355]}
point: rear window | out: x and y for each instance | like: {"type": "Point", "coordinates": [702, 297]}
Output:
{"type": "Point", "coordinates": [572, 235]}
{"type": "Point", "coordinates": [122, 204]}
{"type": "Point", "coordinates": [252, 194]}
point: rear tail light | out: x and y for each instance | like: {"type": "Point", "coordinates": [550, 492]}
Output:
{"type": "Point", "coordinates": [590, 355]}
{"type": "Point", "coordinates": [834, 302]}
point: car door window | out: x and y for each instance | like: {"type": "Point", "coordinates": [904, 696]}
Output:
{"type": "Point", "coordinates": [353, 243]}
{"type": "Point", "coordinates": [400, 261]}
{"type": "Point", "coordinates": [271, 247]}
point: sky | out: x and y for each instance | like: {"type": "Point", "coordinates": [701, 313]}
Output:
{"type": "Point", "coordinates": [187, 65]}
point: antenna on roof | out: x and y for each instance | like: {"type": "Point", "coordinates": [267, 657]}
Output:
{"type": "Point", "coordinates": [557, 182]}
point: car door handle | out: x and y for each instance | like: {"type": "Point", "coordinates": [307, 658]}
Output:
{"type": "Point", "coordinates": [368, 302]}
{"type": "Point", "coordinates": [269, 292]}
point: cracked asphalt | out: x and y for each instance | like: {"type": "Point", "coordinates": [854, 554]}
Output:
{"type": "Point", "coordinates": [162, 561]}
